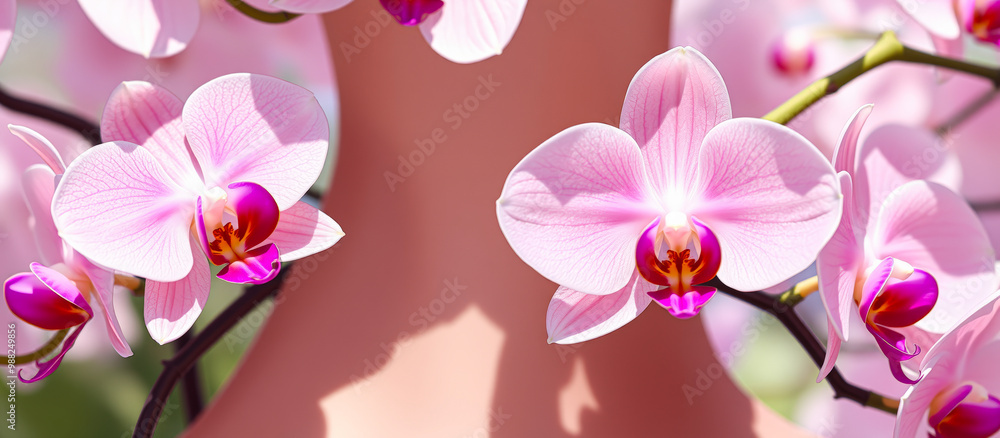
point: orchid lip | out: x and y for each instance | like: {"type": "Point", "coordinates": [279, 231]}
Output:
{"type": "Point", "coordinates": [964, 410]}
{"type": "Point", "coordinates": [894, 296]}
{"type": "Point", "coordinates": [679, 236]}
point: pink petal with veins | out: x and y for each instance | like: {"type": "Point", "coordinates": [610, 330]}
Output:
{"type": "Point", "coordinates": [573, 208]}
{"type": "Point", "coordinates": [248, 127]}
{"type": "Point", "coordinates": [119, 208]}
{"type": "Point", "coordinates": [770, 197]}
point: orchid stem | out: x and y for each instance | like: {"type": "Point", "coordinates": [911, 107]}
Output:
{"type": "Point", "coordinates": [785, 314]}
{"type": "Point", "coordinates": [887, 48]}
{"type": "Point", "coordinates": [799, 292]}
{"type": "Point", "coordinates": [88, 130]}
{"type": "Point", "coordinates": [176, 367]}
{"type": "Point", "coordinates": [46, 349]}
{"type": "Point", "coordinates": [190, 383]}
{"type": "Point", "coordinates": [262, 16]}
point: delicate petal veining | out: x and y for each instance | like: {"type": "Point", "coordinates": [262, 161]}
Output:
{"type": "Point", "coordinates": [246, 127]}
{"type": "Point", "coordinates": [574, 208]}
{"type": "Point", "coordinates": [769, 196]}
{"type": "Point", "coordinates": [118, 207]}
{"type": "Point", "coordinates": [671, 104]}
{"type": "Point", "coordinates": [149, 115]}
{"type": "Point", "coordinates": [576, 317]}
{"type": "Point", "coordinates": [303, 230]}
{"type": "Point", "coordinates": [170, 308]}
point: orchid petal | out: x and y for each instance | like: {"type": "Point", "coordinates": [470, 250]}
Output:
{"type": "Point", "coordinates": [575, 317]}
{"type": "Point", "coordinates": [771, 199]}
{"type": "Point", "coordinates": [171, 308]}
{"type": "Point", "coordinates": [937, 16]}
{"type": "Point", "coordinates": [838, 264]}
{"type": "Point", "coordinates": [151, 28]}
{"type": "Point", "coordinates": [38, 304]}
{"type": "Point", "coordinates": [247, 127]}
{"type": "Point", "coordinates": [259, 266]}
{"type": "Point", "coordinates": [41, 145]}
{"type": "Point", "coordinates": [149, 115]}
{"type": "Point", "coordinates": [39, 184]}
{"type": "Point", "coordinates": [466, 31]}
{"type": "Point", "coordinates": [684, 306]}
{"type": "Point", "coordinates": [913, 406]}
{"type": "Point", "coordinates": [256, 212]}
{"type": "Point", "coordinates": [671, 104]}
{"type": "Point", "coordinates": [46, 368]}
{"type": "Point", "coordinates": [847, 148]}
{"type": "Point", "coordinates": [573, 208]}
{"type": "Point", "coordinates": [905, 302]}
{"type": "Point", "coordinates": [891, 156]}
{"type": "Point", "coordinates": [104, 286]}
{"type": "Point", "coordinates": [833, 343]}
{"type": "Point", "coordinates": [931, 227]}
{"type": "Point", "coordinates": [304, 230]}
{"type": "Point", "coordinates": [119, 208]}
{"type": "Point", "coordinates": [309, 6]}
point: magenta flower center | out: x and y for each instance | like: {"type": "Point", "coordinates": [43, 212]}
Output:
{"type": "Point", "coordinates": [679, 238]}
{"type": "Point", "coordinates": [965, 410]}
{"type": "Point", "coordinates": [981, 18]}
{"type": "Point", "coordinates": [411, 12]}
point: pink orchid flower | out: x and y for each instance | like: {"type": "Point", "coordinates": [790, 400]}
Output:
{"type": "Point", "coordinates": [462, 31]}
{"type": "Point", "coordinates": [901, 243]}
{"type": "Point", "coordinates": [244, 148]}
{"type": "Point", "coordinates": [55, 295]}
{"type": "Point", "coordinates": [946, 19]}
{"type": "Point", "coordinates": [958, 395]}
{"type": "Point", "coordinates": [678, 195]}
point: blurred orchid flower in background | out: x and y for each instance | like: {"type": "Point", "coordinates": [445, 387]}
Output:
{"type": "Point", "coordinates": [151, 28]}
{"type": "Point", "coordinates": [946, 20]}
{"type": "Point", "coordinates": [894, 222]}
{"type": "Point", "coordinates": [8, 17]}
{"type": "Point", "coordinates": [597, 209]}
{"type": "Point", "coordinates": [55, 295]}
{"type": "Point", "coordinates": [462, 31]}
{"type": "Point", "coordinates": [769, 49]}
{"type": "Point", "coordinates": [162, 194]}
{"type": "Point", "coordinates": [959, 391]}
